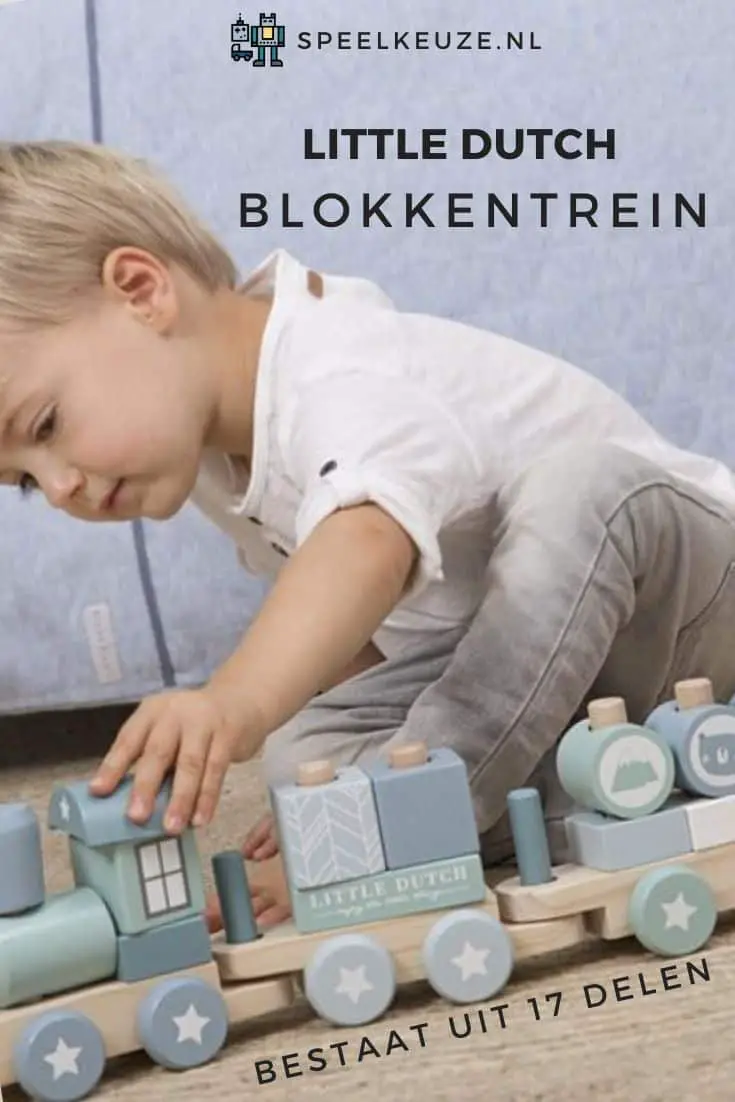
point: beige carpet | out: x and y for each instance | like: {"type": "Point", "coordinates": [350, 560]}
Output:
{"type": "Point", "coordinates": [672, 1045]}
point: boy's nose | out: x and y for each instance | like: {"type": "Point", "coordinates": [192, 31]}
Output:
{"type": "Point", "coordinates": [61, 486]}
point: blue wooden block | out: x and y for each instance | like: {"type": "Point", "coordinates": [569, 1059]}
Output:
{"type": "Point", "coordinates": [701, 737]}
{"type": "Point", "coordinates": [425, 810]}
{"type": "Point", "coordinates": [529, 836]}
{"type": "Point", "coordinates": [182, 1022]}
{"type": "Point", "coordinates": [151, 883]}
{"type": "Point", "coordinates": [164, 949]}
{"type": "Point", "coordinates": [103, 820]}
{"type": "Point", "coordinates": [601, 842]}
{"type": "Point", "coordinates": [21, 859]}
{"type": "Point", "coordinates": [329, 831]}
{"type": "Point", "coordinates": [67, 942]}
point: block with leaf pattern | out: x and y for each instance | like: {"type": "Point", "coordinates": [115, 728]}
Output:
{"type": "Point", "coordinates": [328, 826]}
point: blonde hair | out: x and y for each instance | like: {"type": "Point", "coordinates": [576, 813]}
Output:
{"type": "Point", "coordinates": [65, 205]}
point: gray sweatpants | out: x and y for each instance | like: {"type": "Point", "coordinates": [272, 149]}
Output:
{"type": "Point", "coordinates": [607, 578]}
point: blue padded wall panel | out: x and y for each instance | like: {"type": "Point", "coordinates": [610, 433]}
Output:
{"type": "Point", "coordinates": [54, 651]}
{"type": "Point", "coordinates": [44, 82]}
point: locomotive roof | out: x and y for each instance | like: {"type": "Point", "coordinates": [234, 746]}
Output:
{"type": "Point", "coordinates": [102, 821]}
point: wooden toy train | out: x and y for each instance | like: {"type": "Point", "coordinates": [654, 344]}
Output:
{"type": "Point", "coordinates": [386, 884]}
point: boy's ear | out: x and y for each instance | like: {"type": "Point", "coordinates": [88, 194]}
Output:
{"type": "Point", "coordinates": [136, 276]}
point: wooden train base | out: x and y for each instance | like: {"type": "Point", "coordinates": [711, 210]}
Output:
{"type": "Point", "coordinates": [263, 976]}
{"type": "Point", "coordinates": [387, 888]}
{"type": "Point", "coordinates": [254, 979]}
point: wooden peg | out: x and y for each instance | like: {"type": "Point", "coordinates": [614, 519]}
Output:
{"type": "Point", "coordinates": [411, 753]}
{"type": "Point", "coordinates": [316, 772]}
{"type": "Point", "coordinates": [694, 692]}
{"type": "Point", "coordinates": [606, 712]}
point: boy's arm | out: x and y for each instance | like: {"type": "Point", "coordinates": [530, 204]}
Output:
{"type": "Point", "coordinates": [324, 608]}
{"type": "Point", "coordinates": [368, 657]}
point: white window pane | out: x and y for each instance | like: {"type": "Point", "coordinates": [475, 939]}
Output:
{"type": "Point", "coordinates": [149, 860]}
{"type": "Point", "coordinates": [176, 889]}
{"type": "Point", "coordinates": [171, 855]}
{"type": "Point", "coordinates": [155, 896]}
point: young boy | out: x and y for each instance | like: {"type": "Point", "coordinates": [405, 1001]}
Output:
{"type": "Point", "coordinates": [468, 538]}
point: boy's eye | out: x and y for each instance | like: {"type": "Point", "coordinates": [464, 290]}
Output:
{"type": "Point", "coordinates": [27, 484]}
{"type": "Point", "coordinates": [46, 427]}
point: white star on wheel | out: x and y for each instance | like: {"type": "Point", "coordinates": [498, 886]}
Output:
{"type": "Point", "coordinates": [64, 808]}
{"type": "Point", "coordinates": [63, 1059]}
{"type": "Point", "coordinates": [472, 961]}
{"type": "Point", "coordinates": [353, 982]}
{"type": "Point", "coordinates": [190, 1025]}
{"type": "Point", "coordinates": [678, 913]}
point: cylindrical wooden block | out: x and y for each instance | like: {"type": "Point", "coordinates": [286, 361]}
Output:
{"type": "Point", "coordinates": [702, 740]}
{"type": "Point", "coordinates": [622, 770]}
{"type": "Point", "coordinates": [69, 942]}
{"type": "Point", "coordinates": [694, 693]}
{"type": "Point", "coordinates": [316, 772]}
{"type": "Point", "coordinates": [233, 892]}
{"type": "Point", "coordinates": [411, 753]}
{"type": "Point", "coordinates": [606, 712]}
{"type": "Point", "coordinates": [529, 836]}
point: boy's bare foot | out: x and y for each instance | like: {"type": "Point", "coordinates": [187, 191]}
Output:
{"type": "Point", "coordinates": [266, 878]}
{"type": "Point", "coordinates": [269, 893]}
{"type": "Point", "coordinates": [269, 886]}
{"type": "Point", "coordinates": [261, 842]}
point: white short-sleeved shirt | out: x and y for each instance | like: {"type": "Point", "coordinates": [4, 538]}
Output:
{"type": "Point", "coordinates": [357, 401]}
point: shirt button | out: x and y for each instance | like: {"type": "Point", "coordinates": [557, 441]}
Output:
{"type": "Point", "coordinates": [329, 466]}
{"type": "Point", "coordinates": [254, 520]}
{"type": "Point", "coordinates": [279, 549]}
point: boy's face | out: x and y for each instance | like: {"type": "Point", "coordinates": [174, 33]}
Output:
{"type": "Point", "coordinates": [105, 415]}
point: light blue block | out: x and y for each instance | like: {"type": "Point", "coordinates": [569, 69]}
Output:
{"type": "Point", "coordinates": [67, 942]}
{"type": "Point", "coordinates": [329, 832]}
{"type": "Point", "coordinates": [182, 1022]}
{"type": "Point", "coordinates": [21, 859]}
{"type": "Point", "coordinates": [702, 740]}
{"type": "Point", "coordinates": [425, 811]}
{"type": "Point", "coordinates": [234, 896]}
{"type": "Point", "coordinates": [396, 893]}
{"type": "Point", "coordinates": [164, 949]}
{"type": "Point", "coordinates": [529, 836]}
{"type": "Point", "coordinates": [103, 820]}
{"type": "Point", "coordinates": [600, 842]}
{"type": "Point", "coordinates": [144, 884]}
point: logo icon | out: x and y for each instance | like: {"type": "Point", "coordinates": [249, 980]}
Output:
{"type": "Point", "coordinates": [250, 38]}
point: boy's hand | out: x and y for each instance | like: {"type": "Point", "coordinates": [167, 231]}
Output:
{"type": "Point", "coordinates": [184, 731]}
